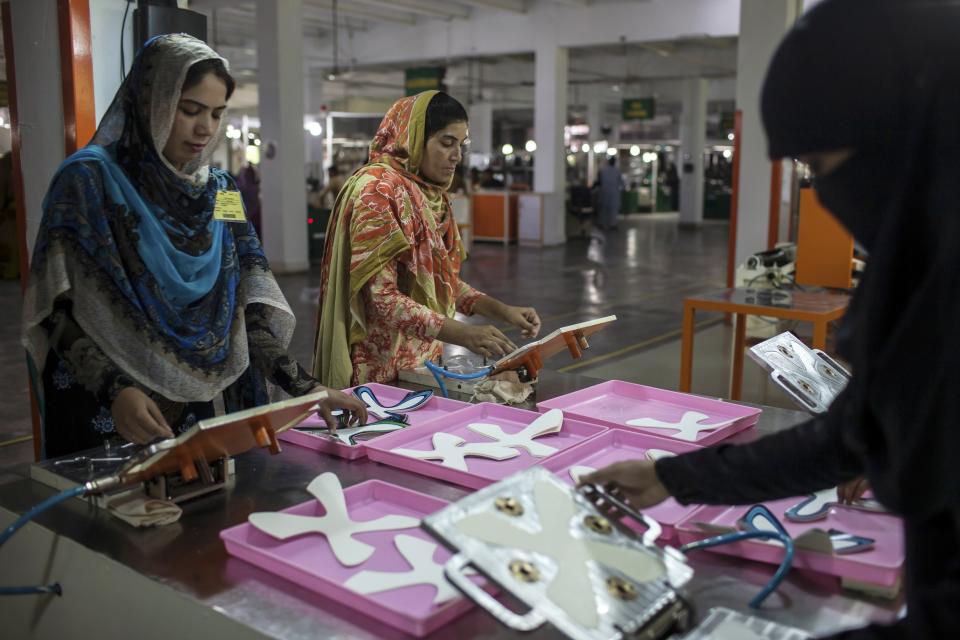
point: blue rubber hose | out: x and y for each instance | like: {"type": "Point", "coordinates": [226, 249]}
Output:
{"type": "Point", "coordinates": [439, 373]}
{"type": "Point", "coordinates": [24, 519]}
{"type": "Point", "coordinates": [28, 591]}
{"type": "Point", "coordinates": [729, 538]}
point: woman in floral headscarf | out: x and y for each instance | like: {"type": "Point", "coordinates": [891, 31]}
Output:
{"type": "Point", "coordinates": [142, 305]}
{"type": "Point", "coordinates": [390, 281]}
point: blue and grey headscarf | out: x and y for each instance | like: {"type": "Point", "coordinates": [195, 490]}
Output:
{"type": "Point", "coordinates": [154, 280]}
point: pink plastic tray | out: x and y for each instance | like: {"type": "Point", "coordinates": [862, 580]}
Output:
{"type": "Point", "coordinates": [308, 561]}
{"type": "Point", "coordinates": [615, 446]}
{"type": "Point", "coordinates": [481, 471]}
{"type": "Point", "coordinates": [613, 403]}
{"type": "Point", "coordinates": [879, 566]}
{"type": "Point", "coordinates": [434, 408]}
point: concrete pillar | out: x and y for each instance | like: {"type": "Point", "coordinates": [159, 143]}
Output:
{"type": "Point", "coordinates": [595, 122]}
{"type": "Point", "coordinates": [106, 19]}
{"type": "Point", "coordinates": [282, 176]}
{"type": "Point", "coordinates": [550, 118]}
{"type": "Point", "coordinates": [36, 47]}
{"type": "Point", "coordinates": [481, 127]}
{"type": "Point", "coordinates": [763, 24]}
{"type": "Point", "coordinates": [313, 144]}
{"type": "Point", "coordinates": [693, 139]}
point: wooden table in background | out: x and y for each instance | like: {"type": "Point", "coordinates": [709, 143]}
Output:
{"type": "Point", "coordinates": [818, 308]}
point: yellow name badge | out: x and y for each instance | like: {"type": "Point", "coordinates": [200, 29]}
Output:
{"type": "Point", "coordinates": [229, 207]}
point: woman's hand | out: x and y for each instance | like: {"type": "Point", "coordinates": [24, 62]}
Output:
{"type": "Point", "coordinates": [485, 340]}
{"type": "Point", "coordinates": [636, 479]}
{"type": "Point", "coordinates": [525, 318]}
{"type": "Point", "coordinates": [355, 409]}
{"type": "Point", "coordinates": [138, 418]}
{"type": "Point", "coordinates": [849, 492]}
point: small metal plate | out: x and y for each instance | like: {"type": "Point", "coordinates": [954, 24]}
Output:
{"type": "Point", "coordinates": [811, 377]}
{"type": "Point", "coordinates": [78, 468]}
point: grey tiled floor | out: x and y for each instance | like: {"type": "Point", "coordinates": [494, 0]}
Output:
{"type": "Point", "coordinates": [640, 272]}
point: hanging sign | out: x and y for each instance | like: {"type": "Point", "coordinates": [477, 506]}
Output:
{"type": "Point", "coordinates": [638, 108]}
{"type": "Point", "coordinates": [423, 79]}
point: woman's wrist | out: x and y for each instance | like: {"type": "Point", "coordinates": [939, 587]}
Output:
{"type": "Point", "coordinates": [451, 332]}
{"type": "Point", "coordinates": [490, 307]}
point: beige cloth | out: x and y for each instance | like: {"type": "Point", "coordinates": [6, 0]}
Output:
{"type": "Point", "coordinates": [140, 511]}
{"type": "Point", "coordinates": [503, 388]}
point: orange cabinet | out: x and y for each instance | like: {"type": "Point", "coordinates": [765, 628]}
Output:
{"type": "Point", "coordinates": [824, 246]}
{"type": "Point", "coordinates": [494, 216]}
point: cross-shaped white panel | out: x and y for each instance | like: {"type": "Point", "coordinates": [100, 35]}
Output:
{"type": "Point", "coordinates": [335, 524]}
{"type": "Point", "coordinates": [549, 422]}
{"type": "Point", "coordinates": [419, 554]}
{"type": "Point", "coordinates": [451, 450]}
{"type": "Point", "coordinates": [689, 426]}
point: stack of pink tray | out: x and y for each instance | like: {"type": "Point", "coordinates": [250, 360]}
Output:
{"type": "Point", "coordinates": [617, 445]}
{"type": "Point", "coordinates": [480, 471]}
{"type": "Point", "coordinates": [879, 566]}
{"type": "Point", "coordinates": [435, 407]}
{"type": "Point", "coordinates": [612, 404]}
{"type": "Point", "coordinates": [308, 561]}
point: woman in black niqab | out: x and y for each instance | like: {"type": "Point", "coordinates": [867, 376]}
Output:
{"type": "Point", "coordinates": [882, 80]}
{"type": "Point", "coordinates": [875, 86]}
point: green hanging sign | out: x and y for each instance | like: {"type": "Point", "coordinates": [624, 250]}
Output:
{"type": "Point", "coordinates": [638, 108]}
{"type": "Point", "coordinates": [423, 79]}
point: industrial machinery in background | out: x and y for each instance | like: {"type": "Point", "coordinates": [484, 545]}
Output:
{"type": "Point", "coordinates": [771, 275]}
{"type": "Point", "coordinates": [157, 17]}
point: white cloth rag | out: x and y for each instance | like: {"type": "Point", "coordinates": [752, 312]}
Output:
{"type": "Point", "coordinates": [141, 511]}
{"type": "Point", "coordinates": [503, 388]}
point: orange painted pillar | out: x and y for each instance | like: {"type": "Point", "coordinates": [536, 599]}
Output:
{"type": "Point", "coordinates": [76, 72]}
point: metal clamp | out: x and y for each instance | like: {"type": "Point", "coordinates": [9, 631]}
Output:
{"type": "Point", "coordinates": [823, 355]}
{"type": "Point", "coordinates": [610, 503]}
{"type": "Point", "coordinates": [454, 570]}
{"type": "Point", "coordinates": [797, 394]}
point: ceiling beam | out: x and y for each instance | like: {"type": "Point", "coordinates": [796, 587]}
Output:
{"type": "Point", "coordinates": [514, 6]}
{"type": "Point", "coordinates": [246, 25]}
{"type": "Point", "coordinates": [325, 8]}
{"type": "Point", "coordinates": [444, 10]}
{"type": "Point", "coordinates": [248, 17]}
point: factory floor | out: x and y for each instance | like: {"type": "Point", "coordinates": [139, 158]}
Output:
{"type": "Point", "coordinates": [640, 272]}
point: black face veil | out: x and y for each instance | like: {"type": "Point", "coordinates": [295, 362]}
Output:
{"type": "Point", "coordinates": [882, 78]}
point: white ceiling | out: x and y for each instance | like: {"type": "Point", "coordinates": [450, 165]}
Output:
{"type": "Point", "coordinates": [612, 71]}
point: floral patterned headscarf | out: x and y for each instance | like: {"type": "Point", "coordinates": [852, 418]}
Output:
{"type": "Point", "coordinates": [386, 211]}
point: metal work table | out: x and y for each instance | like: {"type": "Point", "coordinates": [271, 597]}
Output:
{"type": "Point", "coordinates": [177, 577]}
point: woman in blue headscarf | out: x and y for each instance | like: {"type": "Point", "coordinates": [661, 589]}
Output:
{"type": "Point", "coordinates": [145, 303]}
